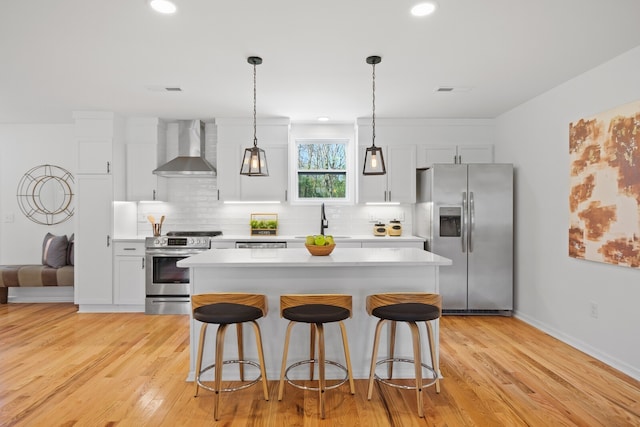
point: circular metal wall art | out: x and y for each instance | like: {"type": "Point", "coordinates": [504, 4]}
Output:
{"type": "Point", "coordinates": [45, 194]}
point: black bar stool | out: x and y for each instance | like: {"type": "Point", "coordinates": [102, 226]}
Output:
{"type": "Point", "coordinates": [316, 310]}
{"type": "Point", "coordinates": [224, 309]}
{"type": "Point", "coordinates": [409, 308]}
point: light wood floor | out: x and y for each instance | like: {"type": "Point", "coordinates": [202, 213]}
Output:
{"type": "Point", "coordinates": [62, 368]}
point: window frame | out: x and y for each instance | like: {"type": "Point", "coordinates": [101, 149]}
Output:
{"type": "Point", "coordinates": [349, 168]}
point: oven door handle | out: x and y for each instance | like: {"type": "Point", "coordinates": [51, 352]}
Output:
{"type": "Point", "coordinates": [173, 252]}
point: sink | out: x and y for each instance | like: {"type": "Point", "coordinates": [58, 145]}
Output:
{"type": "Point", "coordinates": [334, 236]}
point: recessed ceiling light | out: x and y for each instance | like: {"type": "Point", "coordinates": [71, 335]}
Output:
{"type": "Point", "coordinates": [323, 119]}
{"type": "Point", "coordinates": [163, 6]}
{"type": "Point", "coordinates": [424, 9]}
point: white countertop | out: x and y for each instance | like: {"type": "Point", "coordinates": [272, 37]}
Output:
{"type": "Point", "coordinates": [289, 238]}
{"type": "Point", "coordinates": [300, 238]}
{"type": "Point", "coordinates": [300, 257]}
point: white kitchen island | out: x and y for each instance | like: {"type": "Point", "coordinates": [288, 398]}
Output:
{"type": "Point", "coordinates": [273, 272]}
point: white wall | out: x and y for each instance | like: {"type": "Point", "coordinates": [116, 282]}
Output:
{"type": "Point", "coordinates": [555, 292]}
{"type": "Point", "coordinates": [22, 147]}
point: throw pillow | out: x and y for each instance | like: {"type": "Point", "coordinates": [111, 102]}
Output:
{"type": "Point", "coordinates": [70, 250]}
{"type": "Point", "coordinates": [54, 250]}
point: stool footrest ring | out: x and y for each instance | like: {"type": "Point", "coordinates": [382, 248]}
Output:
{"type": "Point", "coordinates": [306, 362]}
{"type": "Point", "coordinates": [227, 362]}
{"type": "Point", "coordinates": [427, 383]}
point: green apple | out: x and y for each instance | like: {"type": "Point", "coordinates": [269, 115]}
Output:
{"type": "Point", "coordinates": [310, 240]}
{"type": "Point", "coordinates": [319, 240]}
{"type": "Point", "coordinates": [329, 240]}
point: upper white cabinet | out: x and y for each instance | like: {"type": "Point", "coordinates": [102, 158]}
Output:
{"type": "Point", "coordinates": [142, 184]}
{"type": "Point", "coordinates": [95, 156]}
{"type": "Point", "coordinates": [234, 136]}
{"type": "Point", "coordinates": [146, 140]}
{"type": "Point", "coordinates": [398, 184]}
{"type": "Point", "coordinates": [272, 187]}
{"type": "Point", "coordinates": [99, 145]}
{"type": "Point", "coordinates": [430, 154]}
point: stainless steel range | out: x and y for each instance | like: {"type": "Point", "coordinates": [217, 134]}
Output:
{"type": "Point", "coordinates": [167, 285]}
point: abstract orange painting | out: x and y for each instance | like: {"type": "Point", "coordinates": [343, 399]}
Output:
{"type": "Point", "coordinates": [604, 197]}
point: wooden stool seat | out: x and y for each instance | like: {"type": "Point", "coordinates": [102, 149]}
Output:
{"type": "Point", "coordinates": [409, 308]}
{"type": "Point", "coordinates": [224, 309]}
{"type": "Point", "coordinates": [316, 310]}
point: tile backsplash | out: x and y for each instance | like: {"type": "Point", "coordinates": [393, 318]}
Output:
{"type": "Point", "coordinates": [192, 205]}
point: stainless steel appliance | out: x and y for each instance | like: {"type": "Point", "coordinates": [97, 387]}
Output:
{"type": "Point", "coordinates": [465, 212]}
{"type": "Point", "coordinates": [167, 285]}
{"type": "Point", "coordinates": [260, 245]}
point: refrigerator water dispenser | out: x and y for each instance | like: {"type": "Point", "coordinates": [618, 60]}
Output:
{"type": "Point", "coordinates": [450, 221]}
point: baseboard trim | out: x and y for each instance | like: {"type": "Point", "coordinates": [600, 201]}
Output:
{"type": "Point", "coordinates": [615, 363]}
{"type": "Point", "coordinates": [40, 294]}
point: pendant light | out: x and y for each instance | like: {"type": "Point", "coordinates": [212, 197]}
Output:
{"type": "Point", "coordinates": [373, 158]}
{"type": "Point", "coordinates": [254, 162]}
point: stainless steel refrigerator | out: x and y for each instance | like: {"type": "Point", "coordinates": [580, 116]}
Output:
{"type": "Point", "coordinates": [465, 212]}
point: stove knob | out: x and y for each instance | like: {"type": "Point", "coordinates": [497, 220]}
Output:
{"type": "Point", "coordinates": [163, 241]}
{"type": "Point", "coordinates": [191, 242]}
{"type": "Point", "coordinates": [156, 242]}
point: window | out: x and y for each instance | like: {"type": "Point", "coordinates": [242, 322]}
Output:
{"type": "Point", "coordinates": [321, 169]}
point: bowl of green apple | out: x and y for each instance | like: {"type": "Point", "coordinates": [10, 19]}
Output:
{"type": "Point", "coordinates": [319, 245]}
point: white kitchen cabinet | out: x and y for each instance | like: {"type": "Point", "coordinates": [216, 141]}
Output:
{"type": "Point", "coordinates": [429, 154]}
{"type": "Point", "coordinates": [272, 187]}
{"type": "Point", "coordinates": [99, 181]}
{"type": "Point", "coordinates": [95, 156]}
{"type": "Point", "coordinates": [391, 244]}
{"type": "Point", "coordinates": [228, 170]}
{"type": "Point", "coordinates": [398, 184]}
{"type": "Point", "coordinates": [142, 183]}
{"type": "Point", "coordinates": [93, 252]}
{"type": "Point", "coordinates": [234, 136]}
{"type": "Point", "coordinates": [129, 273]}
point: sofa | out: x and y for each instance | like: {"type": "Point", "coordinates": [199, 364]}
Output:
{"type": "Point", "coordinates": [57, 268]}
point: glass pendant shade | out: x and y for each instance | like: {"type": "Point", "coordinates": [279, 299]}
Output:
{"type": "Point", "coordinates": [374, 162]}
{"type": "Point", "coordinates": [254, 162]}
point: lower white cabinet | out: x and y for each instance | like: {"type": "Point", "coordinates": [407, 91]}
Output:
{"type": "Point", "coordinates": [391, 244]}
{"type": "Point", "coordinates": [129, 273]}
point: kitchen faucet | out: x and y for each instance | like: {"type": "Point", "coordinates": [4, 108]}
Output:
{"type": "Point", "coordinates": [323, 220]}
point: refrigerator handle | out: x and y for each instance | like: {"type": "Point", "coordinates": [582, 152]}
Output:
{"type": "Point", "coordinates": [472, 220]}
{"type": "Point", "coordinates": [463, 234]}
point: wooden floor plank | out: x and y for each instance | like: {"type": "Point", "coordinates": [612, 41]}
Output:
{"type": "Point", "coordinates": [129, 369]}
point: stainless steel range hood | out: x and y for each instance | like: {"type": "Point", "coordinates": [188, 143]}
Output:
{"type": "Point", "coordinates": [190, 161]}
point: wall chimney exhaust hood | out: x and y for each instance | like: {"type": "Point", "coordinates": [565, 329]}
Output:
{"type": "Point", "coordinates": [190, 161]}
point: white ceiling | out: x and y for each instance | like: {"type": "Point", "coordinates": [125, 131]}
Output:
{"type": "Point", "coordinates": [57, 56]}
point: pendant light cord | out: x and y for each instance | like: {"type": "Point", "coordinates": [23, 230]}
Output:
{"type": "Point", "coordinates": [255, 137]}
{"type": "Point", "coordinates": [373, 125]}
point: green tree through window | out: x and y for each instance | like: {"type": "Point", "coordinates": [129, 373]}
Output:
{"type": "Point", "coordinates": [322, 170]}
